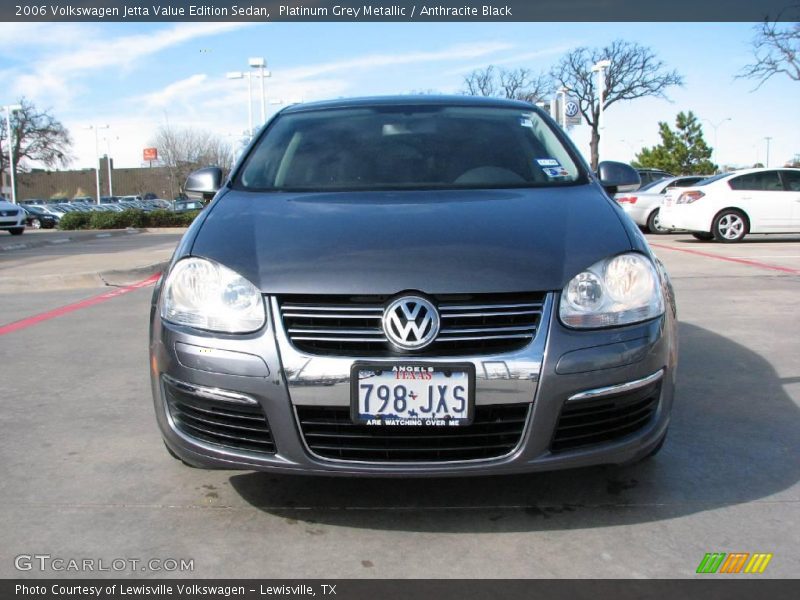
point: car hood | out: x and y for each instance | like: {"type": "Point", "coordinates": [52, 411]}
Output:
{"type": "Point", "coordinates": [476, 241]}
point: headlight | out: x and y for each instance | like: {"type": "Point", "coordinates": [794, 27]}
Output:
{"type": "Point", "coordinates": [617, 291]}
{"type": "Point", "coordinates": [203, 294]}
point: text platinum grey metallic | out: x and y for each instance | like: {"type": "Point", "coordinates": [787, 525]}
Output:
{"type": "Point", "coordinates": [418, 286]}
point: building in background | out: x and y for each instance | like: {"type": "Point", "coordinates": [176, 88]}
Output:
{"type": "Point", "coordinates": [43, 184]}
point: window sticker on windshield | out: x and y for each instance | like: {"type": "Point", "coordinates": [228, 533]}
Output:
{"type": "Point", "coordinates": [555, 171]}
{"type": "Point", "coordinates": [548, 162]}
{"type": "Point", "coordinates": [526, 122]}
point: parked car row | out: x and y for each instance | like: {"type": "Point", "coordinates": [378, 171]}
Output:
{"type": "Point", "coordinates": [724, 207]}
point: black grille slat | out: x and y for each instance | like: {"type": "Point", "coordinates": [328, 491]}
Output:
{"type": "Point", "coordinates": [606, 419]}
{"type": "Point", "coordinates": [330, 432]}
{"type": "Point", "coordinates": [470, 324]}
{"type": "Point", "coordinates": [239, 427]}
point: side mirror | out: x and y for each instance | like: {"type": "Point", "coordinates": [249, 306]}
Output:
{"type": "Point", "coordinates": [204, 182]}
{"type": "Point", "coordinates": [617, 176]}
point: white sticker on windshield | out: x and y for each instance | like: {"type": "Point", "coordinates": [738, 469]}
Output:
{"type": "Point", "coordinates": [526, 122]}
{"type": "Point", "coordinates": [548, 162]}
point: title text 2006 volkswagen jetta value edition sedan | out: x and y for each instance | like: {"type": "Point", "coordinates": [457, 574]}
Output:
{"type": "Point", "coordinates": [412, 286]}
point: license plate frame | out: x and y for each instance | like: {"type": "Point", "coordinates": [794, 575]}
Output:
{"type": "Point", "coordinates": [355, 370]}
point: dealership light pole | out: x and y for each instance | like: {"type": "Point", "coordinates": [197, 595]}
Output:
{"type": "Point", "coordinates": [599, 67]}
{"type": "Point", "coordinates": [11, 108]}
{"type": "Point", "coordinates": [108, 165]}
{"type": "Point", "coordinates": [715, 127]}
{"type": "Point", "coordinates": [260, 64]}
{"type": "Point", "coordinates": [768, 138]}
{"type": "Point", "coordinates": [97, 156]}
{"type": "Point", "coordinates": [240, 75]}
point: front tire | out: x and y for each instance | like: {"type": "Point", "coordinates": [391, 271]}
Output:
{"type": "Point", "coordinates": [703, 236]}
{"type": "Point", "coordinates": [654, 224]}
{"type": "Point", "coordinates": [36, 224]}
{"type": "Point", "coordinates": [17, 231]}
{"type": "Point", "coordinates": [730, 226]}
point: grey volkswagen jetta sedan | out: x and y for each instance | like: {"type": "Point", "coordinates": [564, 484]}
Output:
{"type": "Point", "coordinates": [412, 286]}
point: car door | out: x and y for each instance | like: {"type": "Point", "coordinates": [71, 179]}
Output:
{"type": "Point", "coordinates": [791, 181]}
{"type": "Point", "coordinates": [762, 196]}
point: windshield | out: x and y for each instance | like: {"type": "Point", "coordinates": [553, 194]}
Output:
{"type": "Point", "coordinates": [651, 185]}
{"type": "Point", "coordinates": [711, 179]}
{"type": "Point", "coordinates": [408, 147]}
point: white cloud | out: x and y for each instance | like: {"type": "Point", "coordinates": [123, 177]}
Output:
{"type": "Point", "coordinates": [55, 73]}
{"type": "Point", "coordinates": [174, 90]}
{"type": "Point", "coordinates": [373, 61]}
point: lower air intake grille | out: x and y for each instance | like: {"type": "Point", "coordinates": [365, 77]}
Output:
{"type": "Point", "coordinates": [227, 424]}
{"type": "Point", "coordinates": [330, 433]}
{"type": "Point", "coordinates": [583, 423]}
{"type": "Point", "coordinates": [470, 324]}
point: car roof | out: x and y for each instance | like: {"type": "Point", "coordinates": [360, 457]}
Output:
{"type": "Point", "coordinates": [760, 170]}
{"type": "Point", "coordinates": [408, 100]}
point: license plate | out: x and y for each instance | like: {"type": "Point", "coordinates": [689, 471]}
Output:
{"type": "Point", "coordinates": [412, 395]}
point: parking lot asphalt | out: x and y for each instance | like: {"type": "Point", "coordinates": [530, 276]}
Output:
{"type": "Point", "coordinates": [85, 474]}
{"type": "Point", "coordinates": [47, 260]}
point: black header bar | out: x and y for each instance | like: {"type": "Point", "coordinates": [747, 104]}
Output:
{"type": "Point", "coordinates": [400, 10]}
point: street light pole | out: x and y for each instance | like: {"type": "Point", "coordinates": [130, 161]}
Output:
{"type": "Point", "coordinates": [260, 64]}
{"type": "Point", "coordinates": [716, 126]}
{"type": "Point", "coordinates": [768, 140]}
{"type": "Point", "coordinates": [108, 164]}
{"type": "Point", "coordinates": [11, 108]}
{"type": "Point", "coordinates": [240, 75]}
{"type": "Point", "coordinates": [599, 67]}
{"type": "Point", "coordinates": [97, 157]}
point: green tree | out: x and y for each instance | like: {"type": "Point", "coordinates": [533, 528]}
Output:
{"type": "Point", "coordinates": [682, 151]}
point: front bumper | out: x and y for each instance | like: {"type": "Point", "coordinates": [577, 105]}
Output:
{"type": "Point", "coordinates": [11, 223]}
{"type": "Point", "coordinates": [556, 370]}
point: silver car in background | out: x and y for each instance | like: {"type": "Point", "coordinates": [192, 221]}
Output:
{"type": "Point", "coordinates": [644, 205]}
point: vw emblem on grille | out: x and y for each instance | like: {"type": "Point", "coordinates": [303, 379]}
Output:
{"type": "Point", "coordinates": [411, 322]}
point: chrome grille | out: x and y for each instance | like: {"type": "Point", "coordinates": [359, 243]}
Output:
{"type": "Point", "coordinates": [470, 324]}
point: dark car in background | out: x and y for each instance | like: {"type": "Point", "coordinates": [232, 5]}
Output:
{"type": "Point", "coordinates": [38, 218]}
{"type": "Point", "coordinates": [648, 176]}
{"type": "Point", "coordinates": [413, 286]}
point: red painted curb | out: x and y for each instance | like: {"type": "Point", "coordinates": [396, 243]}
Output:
{"type": "Point", "coordinates": [63, 310]}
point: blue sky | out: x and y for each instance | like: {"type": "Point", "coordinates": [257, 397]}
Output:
{"type": "Point", "coordinates": [135, 77]}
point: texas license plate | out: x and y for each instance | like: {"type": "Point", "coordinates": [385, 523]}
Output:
{"type": "Point", "coordinates": [412, 395]}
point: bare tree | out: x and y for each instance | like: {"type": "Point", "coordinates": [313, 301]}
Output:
{"type": "Point", "coordinates": [182, 150]}
{"type": "Point", "coordinates": [516, 84]}
{"type": "Point", "coordinates": [524, 84]}
{"type": "Point", "coordinates": [481, 82]}
{"type": "Point", "coordinates": [635, 72]}
{"type": "Point", "coordinates": [776, 51]}
{"type": "Point", "coordinates": [38, 138]}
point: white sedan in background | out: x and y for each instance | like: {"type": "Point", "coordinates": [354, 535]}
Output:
{"type": "Point", "coordinates": [727, 207]}
{"type": "Point", "coordinates": [643, 205]}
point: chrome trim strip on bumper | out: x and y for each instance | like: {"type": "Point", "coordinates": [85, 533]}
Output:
{"type": "Point", "coordinates": [210, 393]}
{"type": "Point", "coordinates": [617, 389]}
